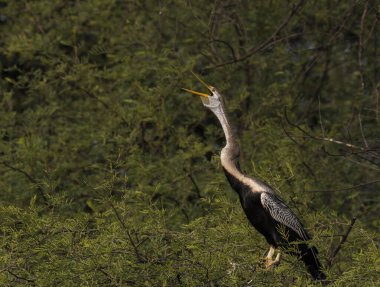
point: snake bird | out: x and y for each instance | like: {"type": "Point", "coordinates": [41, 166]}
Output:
{"type": "Point", "coordinates": [268, 214]}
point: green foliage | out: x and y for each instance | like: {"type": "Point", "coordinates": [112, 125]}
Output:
{"type": "Point", "coordinates": [110, 175]}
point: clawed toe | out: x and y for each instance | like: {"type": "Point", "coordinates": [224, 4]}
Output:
{"type": "Point", "coordinates": [269, 262]}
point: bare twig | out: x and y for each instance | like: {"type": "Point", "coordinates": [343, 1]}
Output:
{"type": "Point", "coordinates": [197, 189]}
{"type": "Point", "coordinates": [109, 277]}
{"type": "Point", "coordinates": [361, 46]}
{"type": "Point", "coordinates": [365, 153]}
{"type": "Point", "coordinates": [31, 281]}
{"type": "Point", "coordinates": [320, 138]}
{"type": "Point", "coordinates": [139, 256]}
{"type": "Point", "coordinates": [333, 37]}
{"type": "Point", "coordinates": [361, 130]}
{"type": "Point", "coordinates": [29, 177]}
{"type": "Point", "coordinates": [342, 241]}
{"type": "Point", "coordinates": [267, 42]}
{"type": "Point", "coordinates": [318, 89]}
{"type": "Point", "coordinates": [227, 44]}
{"type": "Point", "coordinates": [240, 31]}
{"type": "Point", "coordinates": [104, 104]}
{"type": "Point", "coordinates": [339, 142]}
{"type": "Point", "coordinates": [288, 134]}
{"type": "Point", "coordinates": [347, 188]}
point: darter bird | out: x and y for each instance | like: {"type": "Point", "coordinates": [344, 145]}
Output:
{"type": "Point", "coordinates": [262, 206]}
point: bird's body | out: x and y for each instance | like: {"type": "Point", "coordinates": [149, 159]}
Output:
{"type": "Point", "coordinates": [267, 213]}
{"type": "Point", "coordinates": [270, 216]}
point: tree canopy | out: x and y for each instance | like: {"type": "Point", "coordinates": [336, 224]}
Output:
{"type": "Point", "coordinates": [110, 175]}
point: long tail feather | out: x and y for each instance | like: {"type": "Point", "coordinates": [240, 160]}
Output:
{"type": "Point", "coordinates": [309, 257]}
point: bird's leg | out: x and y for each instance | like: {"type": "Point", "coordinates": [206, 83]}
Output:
{"type": "Point", "coordinates": [269, 259]}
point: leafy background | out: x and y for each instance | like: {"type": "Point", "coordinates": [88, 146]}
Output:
{"type": "Point", "coordinates": [110, 175]}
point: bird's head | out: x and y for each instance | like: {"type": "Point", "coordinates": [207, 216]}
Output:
{"type": "Point", "coordinates": [212, 100]}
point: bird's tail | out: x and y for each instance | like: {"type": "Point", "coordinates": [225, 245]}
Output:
{"type": "Point", "coordinates": [309, 257]}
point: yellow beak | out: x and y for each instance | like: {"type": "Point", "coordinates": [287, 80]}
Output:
{"type": "Point", "coordinates": [198, 93]}
{"type": "Point", "coordinates": [195, 93]}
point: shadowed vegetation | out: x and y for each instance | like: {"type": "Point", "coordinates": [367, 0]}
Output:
{"type": "Point", "coordinates": [110, 175]}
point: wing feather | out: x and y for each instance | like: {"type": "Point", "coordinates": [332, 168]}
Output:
{"type": "Point", "coordinates": [282, 213]}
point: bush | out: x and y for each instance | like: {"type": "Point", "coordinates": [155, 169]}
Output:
{"type": "Point", "coordinates": [110, 175]}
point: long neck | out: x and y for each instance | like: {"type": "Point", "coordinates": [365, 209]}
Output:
{"type": "Point", "coordinates": [230, 158]}
{"type": "Point", "coordinates": [227, 129]}
{"type": "Point", "coordinates": [231, 152]}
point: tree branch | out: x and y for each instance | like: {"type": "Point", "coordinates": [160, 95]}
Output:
{"type": "Point", "coordinates": [29, 177]}
{"type": "Point", "coordinates": [321, 138]}
{"type": "Point", "coordinates": [266, 43]}
{"type": "Point", "coordinates": [347, 188]}
{"type": "Point", "coordinates": [139, 257]}
{"type": "Point", "coordinates": [31, 281]}
{"type": "Point", "coordinates": [342, 241]}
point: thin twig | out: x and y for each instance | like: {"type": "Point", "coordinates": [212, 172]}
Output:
{"type": "Point", "coordinates": [288, 135]}
{"type": "Point", "coordinates": [361, 130]}
{"type": "Point", "coordinates": [104, 104]}
{"type": "Point", "coordinates": [360, 50]}
{"type": "Point", "coordinates": [32, 281]}
{"type": "Point", "coordinates": [198, 191]}
{"type": "Point", "coordinates": [29, 177]}
{"type": "Point", "coordinates": [320, 138]}
{"type": "Point", "coordinates": [227, 44]}
{"type": "Point", "coordinates": [340, 143]}
{"type": "Point", "coordinates": [267, 42]}
{"type": "Point", "coordinates": [346, 188]}
{"type": "Point", "coordinates": [342, 241]}
{"type": "Point", "coordinates": [139, 257]}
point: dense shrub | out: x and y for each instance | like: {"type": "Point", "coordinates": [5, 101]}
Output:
{"type": "Point", "coordinates": [110, 175]}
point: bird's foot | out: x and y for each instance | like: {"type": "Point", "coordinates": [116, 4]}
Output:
{"type": "Point", "coordinates": [269, 262]}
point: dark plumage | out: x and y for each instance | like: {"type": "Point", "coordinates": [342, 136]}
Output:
{"type": "Point", "coordinates": [273, 219]}
{"type": "Point", "coordinates": [263, 208]}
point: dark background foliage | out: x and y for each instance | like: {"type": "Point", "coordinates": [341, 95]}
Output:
{"type": "Point", "coordinates": [110, 174]}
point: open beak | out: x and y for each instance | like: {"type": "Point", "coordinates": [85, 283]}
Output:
{"type": "Point", "coordinates": [198, 93]}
